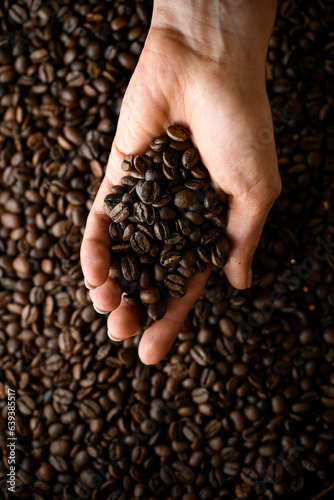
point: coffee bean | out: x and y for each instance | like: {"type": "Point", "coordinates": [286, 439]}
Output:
{"type": "Point", "coordinates": [176, 285]}
{"type": "Point", "coordinates": [140, 242]}
{"type": "Point", "coordinates": [184, 198]}
{"type": "Point", "coordinates": [117, 213]}
{"type": "Point", "coordinates": [157, 310]}
{"type": "Point", "coordinates": [159, 144]}
{"type": "Point", "coordinates": [210, 236]}
{"type": "Point", "coordinates": [170, 259]}
{"type": "Point", "coordinates": [177, 133]}
{"type": "Point", "coordinates": [148, 191]}
{"type": "Point", "coordinates": [192, 432]}
{"type": "Point", "coordinates": [142, 163]}
{"type": "Point", "coordinates": [149, 295]}
{"type": "Point", "coordinates": [130, 268]}
{"type": "Point", "coordinates": [190, 158]}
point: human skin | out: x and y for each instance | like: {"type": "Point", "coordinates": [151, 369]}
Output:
{"type": "Point", "coordinates": [202, 67]}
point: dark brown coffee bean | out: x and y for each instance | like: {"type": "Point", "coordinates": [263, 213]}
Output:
{"type": "Point", "coordinates": [231, 468]}
{"type": "Point", "coordinates": [130, 268]}
{"type": "Point", "coordinates": [171, 161]}
{"type": "Point", "coordinates": [194, 184]}
{"type": "Point", "coordinates": [169, 259]}
{"type": "Point", "coordinates": [211, 200]}
{"type": "Point", "coordinates": [184, 198]}
{"type": "Point", "coordinates": [210, 236]}
{"type": "Point", "coordinates": [176, 285]}
{"type": "Point", "coordinates": [149, 295]}
{"type": "Point", "coordinates": [177, 133]}
{"type": "Point", "coordinates": [163, 200]}
{"type": "Point", "coordinates": [190, 158]}
{"type": "Point", "coordinates": [159, 144]}
{"type": "Point", "coordinates": [140, 242]}
{"type": "Point", "coordinates": [117, 213]}
{"type": "Point", "coordinates": [141, 211]}
{"type": "Point", "coordinates": [219, 221]}
{"type": "Point", "coordinates": [192, 432]}
{"type": "Point", "coordinates": [194, 218]}
{"type": "Point", "coordinates": [159, 272]}
{"type": "Point", "coordinates": [156, 175]}
{"type": "Point", "coordinates": [199, 171]}
{"type": "Point", "coordinates": [177, 240]}
{"type": "Point", "coordinates": [142, 163]}
{"type": "Point", "coordinates": [222, 247]}
{"type": "Point", "coordinates": [127, 163]}
{"type": "Point", "coordinates": [161, 230]}
{"type": "Point", "coordinates": [128, 181]}
{"type": "Point", "coordinates": [249, 476]}
{"type": "Point", "coordinates": [148, 191]}
{"type": "Point", "coordinates": [157, 310]}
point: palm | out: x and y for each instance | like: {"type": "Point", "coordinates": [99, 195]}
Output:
{"type": "Point", "coordinates": [225, 122]}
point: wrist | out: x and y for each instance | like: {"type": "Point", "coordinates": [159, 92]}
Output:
{"type": "Point", "coordinates": [232, 32]}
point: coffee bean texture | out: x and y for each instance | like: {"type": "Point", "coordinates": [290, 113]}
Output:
{"type": "Point", "coordinates": [150, 204]}
{"type": "Point", "coordinates": [243, 405]}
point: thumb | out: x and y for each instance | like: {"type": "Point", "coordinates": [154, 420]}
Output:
{"type": "Point", "coordinates": [244, 225]}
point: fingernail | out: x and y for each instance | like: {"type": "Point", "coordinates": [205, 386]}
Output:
{"type": "Point", "coordinates": [99, 310]}
{"type": "Point", "coordinates": [113, 338]}
{"type": "Point", "coordinates": [87, 285]}
{"type": "Point", "coordinates": [249, 278]}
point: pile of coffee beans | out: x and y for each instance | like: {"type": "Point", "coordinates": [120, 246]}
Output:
{"type": "Point", "coordinates": [167, 223]}
{"type": "Point", "coordinates": [243, 405]}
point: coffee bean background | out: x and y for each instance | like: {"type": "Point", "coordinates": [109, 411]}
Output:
{"type": "Point", "coordinates": [243, 406]}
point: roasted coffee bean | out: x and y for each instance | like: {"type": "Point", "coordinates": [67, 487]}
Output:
{"type": "Point", "coordinates": [167, 213]}
{"type": "Point", "coordinates": [157, 310]}
{"type": "Point", "coordinates": [190, 158]}
{"type": "Point", "coordinates": [156, 175]}
{"type": "Point", "coordinates": [148, 191]}
{"type": "Point", "coordinates": [127, 163]}
{"type": "Point", "coordinates": [142, 163]}
{"type": "Point", "coordinates": [199, 171]}
{"type": "Point", "coordinates": [176, 133]}
{"type": "Point", "coordinates": [159, 272]}
{"type": "Point", "coordinates": [194, 218]}
{"type": "Point", "coordinates": [176, 285]}
{"type": "Point", "coordinates": [161, 230]}
{"type": "Point", "coordinates": [128, 181]}
{"type": "Point", "coordinates": [163, 200]}
{"type": "Point", "coordinates": [211, 200]}
{"type": "Point", "coordinates": [183, 226]}
{"type": "Point", "coordinates": [149, 295]}
{"type": "Point", "coordinates": [222, 247]}
{"type": "Point", "coordinates": [159, 144]}
{"type": "Point", "coordinates": [171, 161]}
{"type": "Point", "coordinates": [141, 211]}
{"type": "Point", "coordinates": [118, 213]}
{"type": "Point", "coordinates": [169, 259]}
{"type": "Point", "coordinates": [184, 198]}
{"type": "Point", "coordinates": [140, 242]}
{"type": "Point", "coordinates": [210, 236]}
{"type": "Point", "coordinates": [177, 240]}
{"type": "Point", "coordinates": [192, 432]}
{"type": "Point", "coordinates": [130, 268]}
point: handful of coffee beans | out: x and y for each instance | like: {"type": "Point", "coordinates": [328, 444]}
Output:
{"type": "Point", "coordinates": [167, 223]}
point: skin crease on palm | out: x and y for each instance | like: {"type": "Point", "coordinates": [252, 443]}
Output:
{"type": "Point", "coordinates": [213, 84]}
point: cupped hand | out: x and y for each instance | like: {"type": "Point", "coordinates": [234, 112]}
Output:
{"type": "Point", "coordinates": [226, 109]}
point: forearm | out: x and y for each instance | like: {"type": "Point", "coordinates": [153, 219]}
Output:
{"type": "Point", "coordinates": [233, 30]}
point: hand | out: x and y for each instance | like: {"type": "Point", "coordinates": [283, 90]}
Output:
{"type": "Point", "coordinates": [221, 100]}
